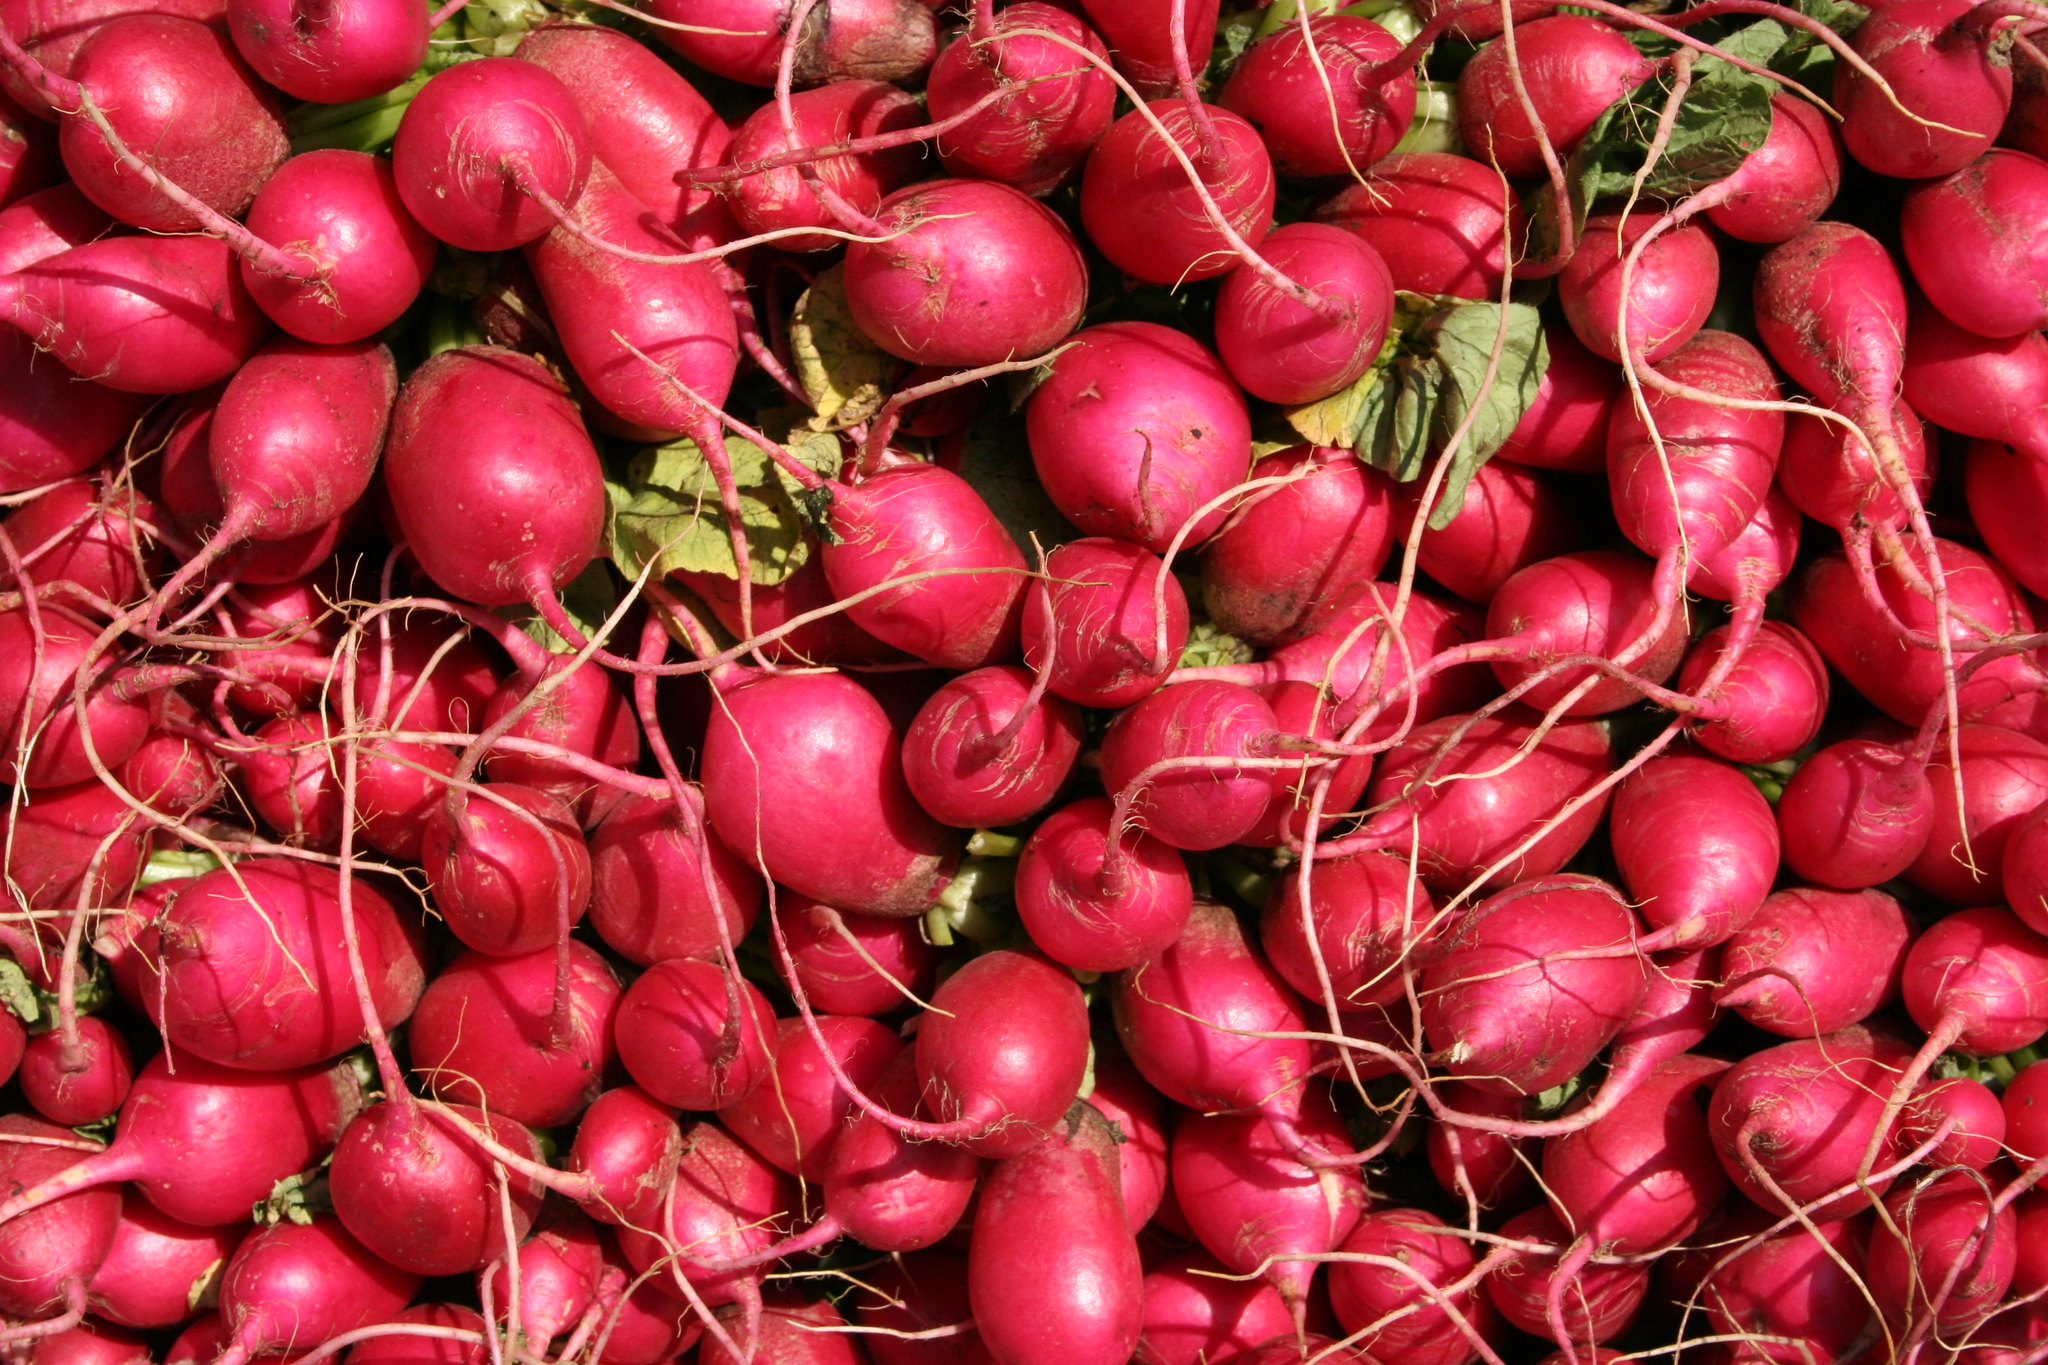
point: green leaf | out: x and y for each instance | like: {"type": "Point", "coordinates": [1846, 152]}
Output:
{"type": "Point", "coordinates": [1465, 340]}
{"type": "Point", "coordinates": [17, 994]}
{"type": "Point", "coordinates": [667, 509]}
{"type": "Point", "coordinates": [843, 372]}
{"type": "Point", "coordinates": [1209, 644]}
{"type": "Point", "coordinates": [587, 599]}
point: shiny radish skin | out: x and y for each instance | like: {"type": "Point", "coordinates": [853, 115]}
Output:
{"type": "Point", "coordinates": [309, 1281]}
{"type": "Point", "coordinates": [781, 199]}
{"type": "Point", "coordinates": [1077, 913]}
{"type": "Point", "coordinates": [508, 866]}
{"type": "Point", "coordinates": [1037, 135]}
{"type": "Point", "coordinates": [1004, 1047]}
{"type": "Point", "coordinates": [661, 883]}
{"type": "Point", "coordinates": [50, 1252]}
{"type": "Point", "coordinates": [1784, 186]}
{"type": "Point", "coordinates": [1937, 57]}
{"type": "Point", "coordinates": [1205, 805]}
{"type": "Point", "coordinates": [330, 53]}
{"type": "Point", "coordinates": [1281, 89]}
{"type": "Point", "coordinates": [1281, 348]}
{"type": "Point", "coordinates": [1444, 224]}
{"type": "Point", "coordinates": [959, 772]}
{"type": "Point", "coordinates": [1814, 961]}
{"type": "Point", "coordinates": [1085, 1309]}
{"type": "Point", "coordinates": [1092, 626]}
{"type": "Point", "coordinates": [1966, 249]}
{"type": "Point", "coordinates": [1696, 845]}
{"type": "Point", "coordinates": [1140, 38]}
{"type": "Point", "coordinates": [686, 1043]}
{"type": "Point", "coordinates": [1670, 291]}
{"type": "Point", "coordinates": [795, 1118]}
{"type": "Point", "coordinates": [1574, 66]}
{"type": "Point", "coordinates": [1855, 814]}
{"type": "Point", "coordinates": [1139, 210]}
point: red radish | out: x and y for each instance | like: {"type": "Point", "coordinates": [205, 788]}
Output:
{"type": "Point", "coordinates": [330, 55]}
{"type": "Point", "coordinates": [781, 199]}
{"type": "Point", "coordinates": [1305, 716]}
{"type": "Point", "coordinates": [1363, 919]}
{"type": "Point", "coordinates": [1599, 1302]}
{"type": "Point", "coordinates": [644, 120]}
{"type": "Point", "coordinates": [577, 708]}
{"type": "Point", "coordinates": [376, 258]}
{"type": "Point", "coordinates": [53, 838]}
{"type": "Point", "coordinates": [1489, 1168]}
{"type": "Point", "coordinates": [803, 779]}
{"type": "Point", "coordinates": [1092, 624]}
{"type": "Point", "coordinates": [1002, 1050]}
{"type": "Point", "coordinates": [1936, 57]}
{"type": "Point", "coordinates": [1972, 1113]}
{"type": "Point", "coordinates": [1013, 289]}
{"type": "Point", "coordinates": [477, 141]}
{"type": "Point", "coordinates": [1141, 210]}
{"type": "Point", "coordinates": [1465, 826]}
{"type": "Point", "coordinates": [1254, 1206]}
{"type": "Point", "coordinates": [1137, 428]}
{"type": "Point", "coordinates": [254, 962]}
{"type": "Point", "coordinates": [157, 1270]}
{"type": "Point", "coordinates": [48, 1253]}
{"type": "Point", "coordinates": [1084, 1308]}
{"type": "Point", "coordinates": [47, 222]}
{"type": "Point", "coordinates": [1288, 554]}
{"type": "Point", "coordinates": [509, 868]}
{"type": "Point", "coordinates": [1693, 472]}
{"type": "Point", "coordinates": [293, 1282]}
{"type": "Point", "coordinates": [1856, 814]}
{"type": "Point", "coordinates": [79, 1087]}
{"type": "Point", "coordinates": [1089, 910]}
{"type": "Point", "coordinates": [1409, 1244]}
{"type": "Point", "coordinates": [1788, 182]}
{"type": "Point", "coordinates": [2005, 489]}
{"type": "Point", "coordinates": [627, 1146]}
{"type": "Point", "coordinates": [89, 533]}
{"type": "Point", "coordinates": [724, 1204]}
{"type": "Point", "coordinates": [1791, 1122]}
{"type": "Point", "coordinates": [1979, 386]}
{"type": "Point", "coordinates": [648, 1328]}
{"type": "Point", "coordinates": [1948, 1252]}
{"type": "Point", "coordinates": [1832, 477]}
{"type": "Point", "coordinates": [1036, 134]}
{"type": "Point", "coordinates": [171, 88]}
{"type": "Point", "coordinates": [204, 1143]}
{"type": "Point", "coordinates": [795, 1117]}
{"type": "Point", "coordinates": [1511, 517]}
{"type": "Point", "coordinates": [1140, 38]}
{"type": "Point", "coordinates": [1195, 1311]}
{"type": "Point", "coordinates": [1138, 1113]}
{"type": "Point", "coordinates": [1696, 846]}
{"type": "Point", "coordinates": [1643, 1176]}
{"type": "Point", "coordinates": [1813, 962]}
{"type": "Point", "coordinates": [1579, 66]}
{"type": "Point", "coordinates": [1598, 602]}
{"type": "Point", "coordinates": [1977, 981]}
{"type": "Point", "coordinates": [1566, 427]}
{"type": "Point", "coordinates": [141, 314]}
{"type": "Point", "coordinates": [660, 883]}
{"type": "Point", "coordinates": [52, 423]}
{"type": "Point", "coordinates": [686, 1042]}
{"type": "Point", "coordinates": [889, 1191]}
{"type": "Point", "coordinates": [560, 1266]}
{"type": "Point", "coordinates": [1167, 762]}
{"type": "Point", "coordinates": [1287, 346]}
{"type": "Point", "coordinates": [830, 641]}
{"type": "Point", "coordinates": [420, 1195]}
{"type": "Point", "coordinates": [492, 432]}
{"type": "Point", "coordinates": [1442, 223]}
{"type": "Point", "coordinates": [914, 519]}
{"type": "Point", "coordinates": [487, 1033]}
{"type": "Point", "coordinates": [2004, 777]}
{"type": "Point", "coordinates": [438, 679]}
{"type": "Point", "coordinates": [793, 1331]}
{"type": "Point", "coordinates": [916, 1293]}
{"type": "Point", "coordinates": [1190, 1021]}
{"type": "Point", "coordinates": [28, 153]}
{"type": "Point", "coordinates": [1986, 280]}
{"type": "Point", "coordinates": [2025, 880]}
{"type": "Point", "coordinates": [173, 775]}
{"type": "Point", "coordinates": [983, 752]}
{"type": "Point", "coordinates": [1528, 988]}
{"type": "Point", "coordinates": [880, 40]}
{"type": "Point", "coordinates": [1772, 701]}
{"type": "Point", "coordinates": [1795, 1283]}
{"type": "Point", "coordinates": [840, 959]}
{"type": "Point", "coordinates": [1669, 289]}
{"type": "Point", "coordinates": [1287, 94]}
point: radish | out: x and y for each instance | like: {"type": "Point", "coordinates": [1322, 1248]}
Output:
{"type": "Point", "coordinates": [293, 1282]}
{"type": "Point", "coordinates": [688, 1042]}
{"type": "Point", "coordinates": [1303, 716]}
{"type": "Point", "coordinates": [1140, 37]}
{"type": "Point", "coordinates": [1977, 981]}
{"type": "Point", "coordinates": [1788, 970]}
{"type": "Point", "coordinates": [1138, 1113]}
{"type": "Point", "coordinates": [1085, 1308]}
{"type": "Point", "coordinates": [330, 56]}
{"type": "Point", "coordinates": [139, 314]}
{"type": "Point", "coordinates": [1002, 1050]}
{"type": "Point", "coordinates": [855, 964]}
{"type": "Point", "coordinates": [1442, 223]}
{"type": "Point", "coordinates": [488, 1033]}
{"type": "Point", "coordinates": [645, 120]}
{"type": "Point", "coordinates": [1697, 848]}
{"type": "Point", "coordinates": [1855, 814]}
{"type": "Point", "coordinates": [204, 1143]}
{"type": "Point", "coordinates": [478, 146]}
{"type": "Point", "coordinates": [493, 433]}
{"type": "Point", "coordinates": [1769, 705]}
{"type": "Point", "coordinates": [803, 779]}
{"type": "Point", "coordinates": [877, 40]}
{"type": "Point", "coordinates": [1303, 343]}
{"type": "Point", "coordinates": [1575, 67]}
{"type": "Point", "coordinates": [77, 1083]}
{"type": "Point", "coordinates": [795, 1117]}
{"type": "Point", "coordinates": [724, 1204]}
{"type": "Point", "coordinates": [375, 259]}
{"type": "Point", "coordinates": [1511, 517]}
{"type": "Point", "coordinates": [1093, 911]}
{"type": "Point", "coordinates": [1971, 1112]}
{"type": "Point", "coordinates": [1141, 209]}
{"type": "Point", "coordinates": [1138, 428]}
{"type": "Point", "coordinates": [509, 869]}
{"type": "Point", "coordinates": [1597, 1302]}
{"type": "Point", "coordinates": [254, 963]}
{"type": "Point", "coordinates": [53, 424]}
{"type": "Point", "coordinates": [661, 883]}
{"type": "Point", "coordinates": [1335, 112]}
{"type": "Point", "coordinates": [984, 752]}
{"type": "Point", "coordinates": [49, 1251]}
{"type": "Point", "coordinates": [1644, 1175]}
{"type": "Point", "coordinates": [1527, 988]}
{"type": "Point", "coordinates": [1360, 917]}
{"type": "Point", "coordinates": [1802, 1282]}
{"type": "Point", "coordinates": [561, 1264]}
{"type": "Point", "coordinates": [89, 533]}
{"type": "Point", "coordinates": [2004, 488]}
{"type": "Point", "coordinates": [1195, 1312]}
{"type": "Point", "coordinates": [1056, 106]}
{"type": "Point", "coordinates": [1290, 553]}
{"type": "Point", "coordinates": [1407, 1245]}
{"type": "Point", "coordinates": [1979, 386]}
{"type": "Point", "coordinates": [794, 1331]}
{"type": "Point", "coordinates": [158, 1271]}
{"type": "Point", "coordinates": [420, 1195]}
{"type": "Point", "coordinates": [1167, 762]}
{"type": "Point", "coordinates": [1936, 56]}
{"type": "Point", "coordinates": [1488, 1168]}
{"type": "Point", "coordinates": [1948, 1253]}
{"type": "Point", "coordinates": [53, 839]}
{"type": "Point", "coordinates": [1783, 186]}
{"type": "Point", "coordinates": [890, 1191]}
{"type": "Point", "coordinates": [576, 708]}
{"type": "Point", "coordinates": [1092, 626]}
{"type": "Point", "coordinates": [1603, 603]}
{"type": "Point", "coordinates": [2004, 777]}
{"type": "Point", "coordinates": [1983, 280]}
{"type": "Point", "coordinates": [1626, 291]}
{"type": "Point", "coordinates": [39, 676]}
{"type": "Point", "coordinates": [780, 199]}
{"type": "Point", "coordinates": [626, 1148]}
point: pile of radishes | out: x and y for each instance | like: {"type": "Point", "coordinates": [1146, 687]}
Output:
{"type": "Point", "coordinates": [770, 680]}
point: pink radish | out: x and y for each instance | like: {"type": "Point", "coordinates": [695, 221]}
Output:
{"type": "Point", "coordinates": [1037, 134]}
{"type": "Point", "coordinates": [661, 883]}
{"type": "Point", "coordinates": [689, 1044]}
{"type": "Point", "coordinates": [1789, 969]}
{"type": "Point", "coordinates": [330, 54]}
{"type": "Point", "coordinates": [981, 753]}
{"type": "Point", "coordinates": [1141, 210]}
